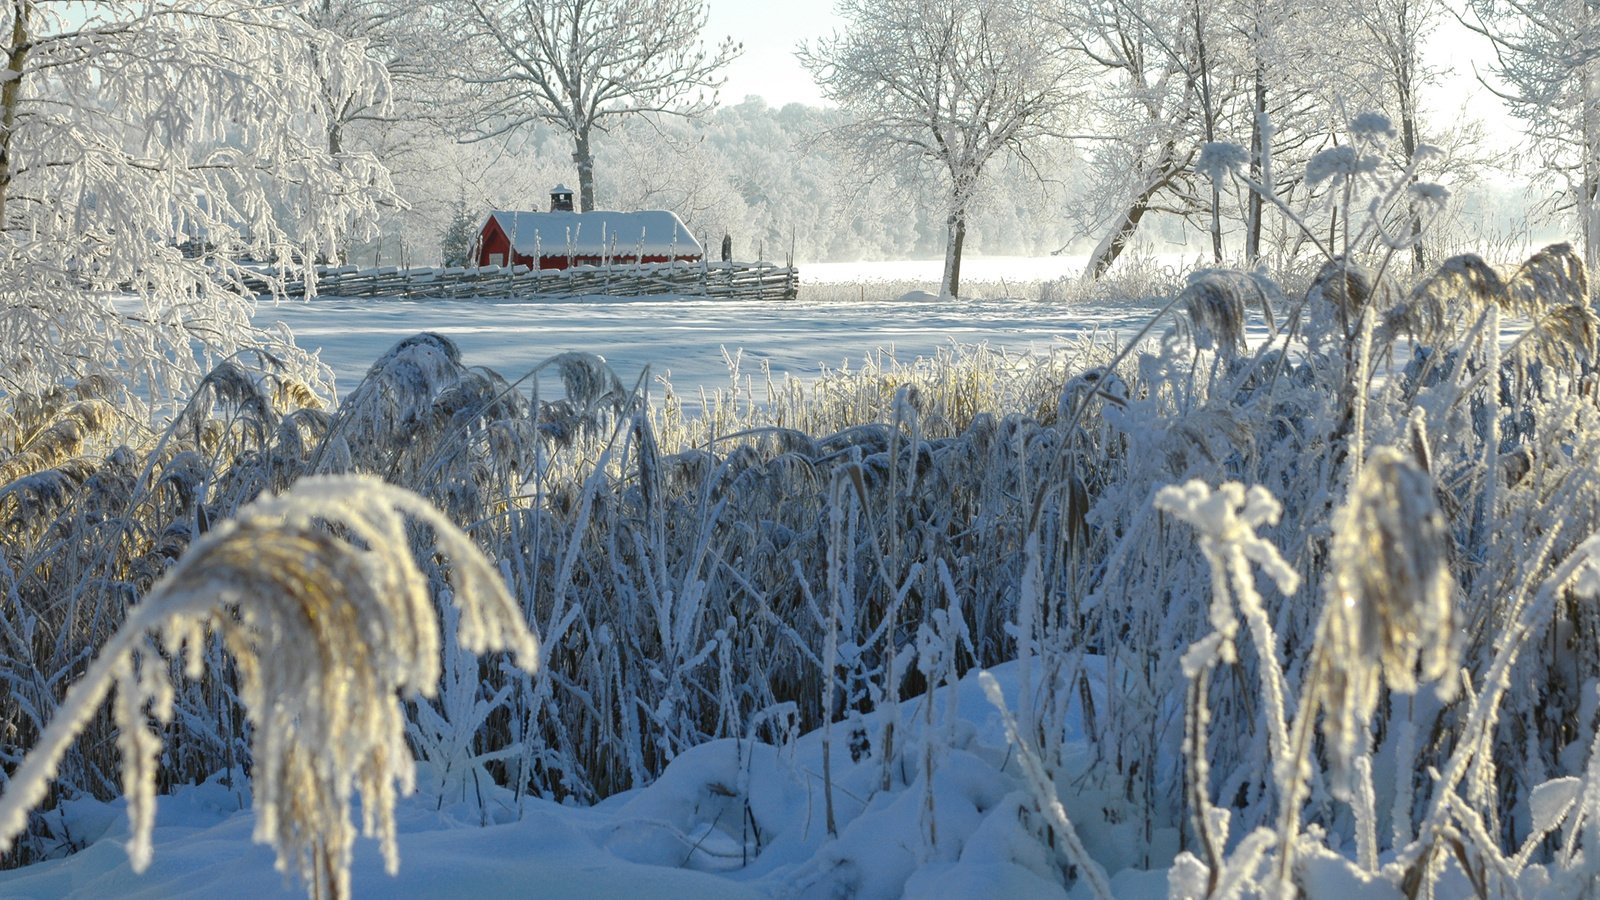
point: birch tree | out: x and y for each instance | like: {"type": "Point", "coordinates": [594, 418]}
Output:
{"type": "Point", "coordinates": [577, 64]}
{"type": "Point", "coordinates": [947, 86]}
{"type": "Point", "coordinates": [146, 150]}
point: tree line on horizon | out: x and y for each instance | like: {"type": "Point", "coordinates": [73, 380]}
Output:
{"type": "Point", "coordinates": [1002, 126]}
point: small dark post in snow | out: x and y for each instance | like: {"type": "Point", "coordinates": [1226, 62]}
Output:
{"type": "Point", "coordinates": [727, 247]}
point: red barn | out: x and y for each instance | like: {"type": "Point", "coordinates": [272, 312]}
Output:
{"type": "Point", "coordinates": [561, 238]}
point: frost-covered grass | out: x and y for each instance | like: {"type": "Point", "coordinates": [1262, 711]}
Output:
{"type": "Point", "coordinates": [729, 818]}
{"type": "Point", "coordinates": [1306, 612]}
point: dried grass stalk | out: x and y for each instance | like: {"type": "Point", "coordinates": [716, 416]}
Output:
{"type": "Point", "coordinates": [325, 631]}
{"type": "Point", "coordinates": [66, 436]}
{"type": "Point", "coordinates": [1391, 598]}
{"type": "Point", "coordinates": [1552, 277]}
{"type": "Point", "coordinates": [1461, 287]}
{"type": "Point", "coordinates": [1216, 304]}
{"type": "Point", "coordinates": [1566, 335]}
{"type": "Point", "coordinates": [1341, 291]}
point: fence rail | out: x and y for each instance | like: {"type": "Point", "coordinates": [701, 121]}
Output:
{"type": "Point", "coordinates": [719, 280]}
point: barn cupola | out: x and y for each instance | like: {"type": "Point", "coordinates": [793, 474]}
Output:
{"type": "Point", "coordinates": [561, 198]}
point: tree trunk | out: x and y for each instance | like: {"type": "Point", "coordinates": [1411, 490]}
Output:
{"type": "Point", "coordinates": [1590, 201]}
{"type": "Point", "coordinates": [1405, 87]}
{"type": "Point", "coordinates": [337, 255]}
{"type": "Point", "coordinates": [1118, 239]}
{"type": "Point", "coordinates": [11, 94]}
{"type": "Point", "coordinates": [1211, 128]}
{"type": "Point", "coordinates": [1408, 143]}
{"type": "Point", "coordinates": [583, 155]}
{"type": "Point", "coordinates": [1258, 153]}
{"type": "Point", "coordinates": [957, 235]}
{"type": "Point", "coordinates": [1109, 249]}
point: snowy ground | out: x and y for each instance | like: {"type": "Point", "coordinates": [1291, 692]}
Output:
{"type": "Point", "coordinates": [682, 340]}
{"type": "Point", "coordinates": [686, 340]}
{"type": "Point", "coordinates": [730, 819]}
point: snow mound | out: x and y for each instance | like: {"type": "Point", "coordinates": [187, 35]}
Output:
{"type": "Point", "coordinates": [727, 819]}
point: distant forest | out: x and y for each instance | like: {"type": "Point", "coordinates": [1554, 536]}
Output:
{"type": "Point", "coordinates": [771, 179]}
{"type": "Point", "coordinates": [760, 174]}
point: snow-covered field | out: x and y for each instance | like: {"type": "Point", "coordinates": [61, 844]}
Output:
{"type": "Point", "coordinates": [690, 341]}
{"type": "Point", "coordinates": [687, 341]}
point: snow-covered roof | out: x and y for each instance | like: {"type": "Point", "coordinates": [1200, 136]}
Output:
{"type": "Point", "coordinates": [651, 232]}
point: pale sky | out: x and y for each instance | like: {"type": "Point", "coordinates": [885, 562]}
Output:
{"type": "Point", "coordinates": [1457, 53]}
{"type": "Point", "coordinates": [769, 30]}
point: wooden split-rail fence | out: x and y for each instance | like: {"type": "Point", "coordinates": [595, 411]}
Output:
{"type": "Point", "coordinates": [716, 280]}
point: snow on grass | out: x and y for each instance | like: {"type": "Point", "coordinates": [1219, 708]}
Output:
{"type": "Point", "coordinates": [727, 819]}
{"type": "Point", "coordinates": [815, 562]}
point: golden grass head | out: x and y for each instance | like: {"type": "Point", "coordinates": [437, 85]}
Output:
{"type": "Point", "coordinates": [1567, 334]}
{"type": "Point", "coordinates": [1433, 313]}
{"type": "Point", "coordinates": [318, 597]}
{"type": "Point", "coordinates": [1391, 596]}
{"type": "Point", "coordinates": [1553, 277]}
{"type": "Point", "coordinates": [1217, 301]}
{"type": "Point", "coordinates": [1340, 293]}
{"type": "Point", "coordinates": [1391, 572]}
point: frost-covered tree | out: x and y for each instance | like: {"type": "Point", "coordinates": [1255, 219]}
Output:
{"type": "Point", "coordinates": [455, 244]}
{"type": "Point", "coordinates": [577, 64]}
{"type": "Point", "coordinates": [946, 85]}
{"type": "Point", "coordinates": [1547, 69]}
{"type": "Point", "coordinates": [146, 149]}
{"type": "Point", "coordinates": [407, 39]}
{"type": "Point", "coordinates": [1173, 75]}
{"type": "Point", "coordinates": [412, 126]}
{"type": "Point", "coordinates": [1278, 54]}
{"type": "Point", "coordinates": [1148, 114]}
{"type": "Point", "coordinates": [1390, 75]}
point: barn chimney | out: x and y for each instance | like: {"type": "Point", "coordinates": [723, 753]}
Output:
{"type": "Point", "coordinates": [561, 198]}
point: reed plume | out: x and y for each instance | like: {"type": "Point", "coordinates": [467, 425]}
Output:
{"type": "Point", "coordinates": [1391, 612]}
{"type": "Point", "coordinates": [325, 627]}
